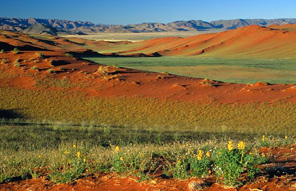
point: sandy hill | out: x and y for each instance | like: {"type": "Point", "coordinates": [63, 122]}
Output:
{"type": "Point", "coordinates": [287, 27]}
{"type": "Point", "coordinates": [43, 41]}
{"type": "Point", "coordinates": [250, 41]}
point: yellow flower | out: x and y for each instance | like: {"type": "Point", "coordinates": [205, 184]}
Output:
{"type": "Point", "coordinates": [230, 146]}
{"type": "Point", "coordinates": [200, 154]}
{"type": "Point", "coordinates": [39, 156]}
{"type": "Point", "coordinates": [84, 160]}
{"type": "Point", "coordinates": [263, 138]}
{"type": "Point", "coordinates": [208, 154]}
{"type": "Point", "coordinates": [78, 154]}
{"type": "Point", "coordinates": [178, 162]}
{"type": "Point", "coordinates": [263, 154]}
{"type": "Point", "coordinates": [67, 152]}
{"type": "Point", "coordinates": [286, 137]}
{"type": "Point", "coordinates": [241, 145]}
{"type": "Point", "coordinates": [121, 158]}
{"type": "Point", "coordinates": [74, 146]}
{"type": "Point", "coordinates": [117, 149]}
{"type": "Point", "coordinates": [188, 151]}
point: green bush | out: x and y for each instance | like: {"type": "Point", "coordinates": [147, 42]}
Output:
{"type": "Point", "coordinates": [230, 163]}
{"type": "Point", "coordinates": [200, 164]}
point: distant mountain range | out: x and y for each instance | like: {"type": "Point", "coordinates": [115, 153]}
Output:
{"type": "Point", "coordinates": [80, 27]}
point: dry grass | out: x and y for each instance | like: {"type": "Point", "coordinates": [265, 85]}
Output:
{"type": "Point", "coordinates": [135, 37]}
{"type": "Point", "coordinates": [149, 113]}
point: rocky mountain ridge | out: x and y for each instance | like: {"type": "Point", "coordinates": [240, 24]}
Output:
{"type": "Point", "coordinates": [79, 27]}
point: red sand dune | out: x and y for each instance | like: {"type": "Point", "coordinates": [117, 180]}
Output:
{"type": "Point", "coordinates": [250, 41]}
{"type": "Point", "coordinates": [85, 77]}
{"type": "Point", "coordinates": [287, 27]}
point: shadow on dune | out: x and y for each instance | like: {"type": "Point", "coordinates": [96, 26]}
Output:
{"type": "Point", "coordinates": [10, 114]}
{"type": "Point", "coordinates": [8, 47]}
{"type": "Point", "coordinates": [91, 53]}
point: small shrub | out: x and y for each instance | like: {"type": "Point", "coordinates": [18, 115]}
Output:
{"type": "Point", "coordinates": [103, 70]}
{"type": "Point", "coordinates": [39, 55]}
{"type": "Point", "coordinates": [1, 51]}
{"type": "Point", "coordinates": [51, 71]}
{"type": "Point", "coordinates": [15, 51]}
{"type": "Point", "coordinates": [4, 61]}
{"type": "Point", "coordinates": [69, 55]}
{"type": "Point", "coordinates": [51, 62]}
{"type": "Point", "coordinates": [34, 68]}
{"type": "Point", "coordinates": [16, 63]}
{"type": "Point", "coordinates": [160, 77]}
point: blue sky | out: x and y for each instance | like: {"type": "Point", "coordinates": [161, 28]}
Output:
{"type": "Point", "coordinates": [139, 11]}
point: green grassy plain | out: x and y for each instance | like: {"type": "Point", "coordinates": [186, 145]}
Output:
{"type": "Point", "coordinates": [276, 71]}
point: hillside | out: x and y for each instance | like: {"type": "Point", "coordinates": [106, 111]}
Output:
{"type": "Point", "coordinates": [78, 27]}
{"type": "Point", "coordinates": [40, 29]}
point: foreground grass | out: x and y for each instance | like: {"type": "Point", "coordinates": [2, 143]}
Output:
{"type": "Point", "coordinates": [277, 71]}
{"type": "Point", "coordinates": [133, 136]}
{"type": "Point", "coordinates": [64, 153]}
